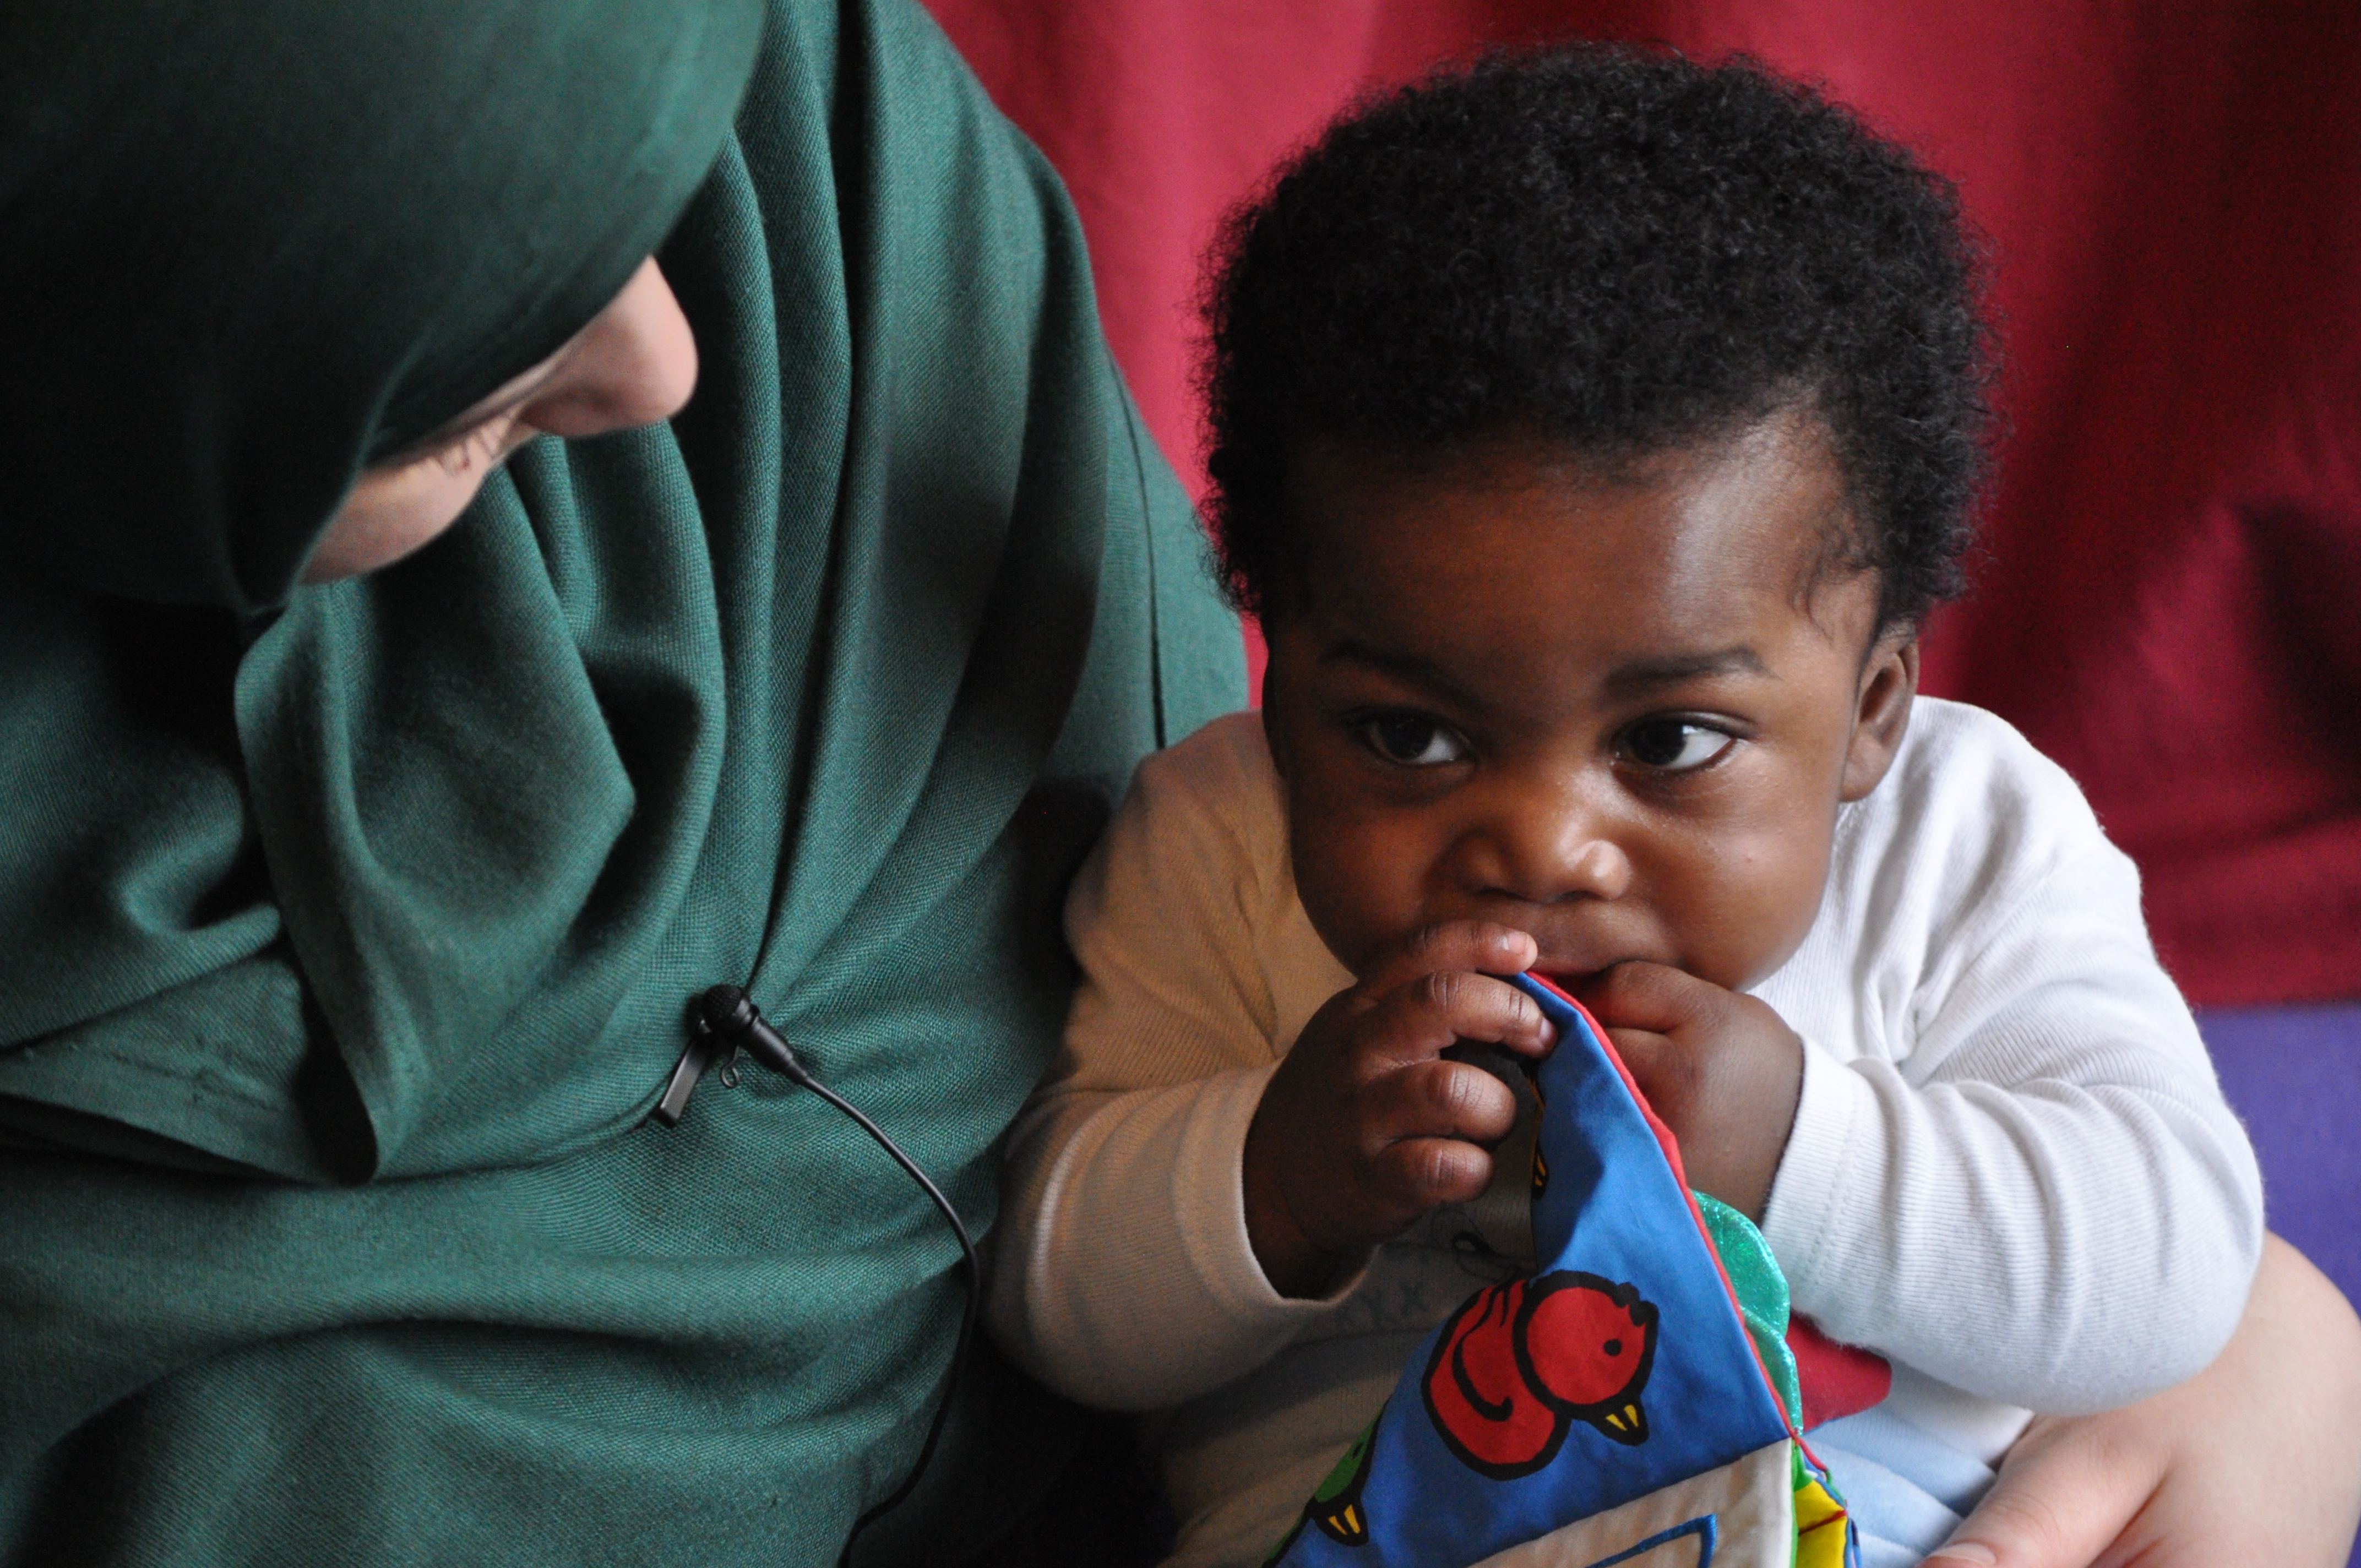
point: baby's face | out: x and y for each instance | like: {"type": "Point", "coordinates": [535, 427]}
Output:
{"type": "Point", "coordinates": [1617, 714]}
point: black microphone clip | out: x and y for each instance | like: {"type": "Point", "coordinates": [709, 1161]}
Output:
{"type": "Point", "coordinates": [725, 1021]}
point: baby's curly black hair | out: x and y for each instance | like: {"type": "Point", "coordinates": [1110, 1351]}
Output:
{"type": "Point", "coordinates": [1622, 251]}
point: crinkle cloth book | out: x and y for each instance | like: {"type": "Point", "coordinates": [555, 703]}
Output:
{"type": "Point", "coordinates": [1632, 1401]}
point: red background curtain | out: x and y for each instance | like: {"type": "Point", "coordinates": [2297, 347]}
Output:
{"type": "Point", "coordinates": [2170, 600]}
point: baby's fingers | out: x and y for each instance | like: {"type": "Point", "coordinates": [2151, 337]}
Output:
{"type": "Point", "coordinates": [1436, 1012]}
{"type": "Point", "coordinates": [1666, 1074]}
{"type": "Point", "coordinates": [1655, 997]}
{"type": "Point", "coordinates": [1423, 1173]}
{"type": "Point", "coordinates": [1439, 1100]}
{"type": "Point", "coordinates": [1476, 945]}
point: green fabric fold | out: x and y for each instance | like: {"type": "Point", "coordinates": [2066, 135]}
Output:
{"type": "Point", "coordinates": [347, 943]}
{"type": "Point", "coordinates": [1762, 1298]}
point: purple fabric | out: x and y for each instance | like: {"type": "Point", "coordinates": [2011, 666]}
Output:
{"type": "Point", "coordinates": [2294, 1074]}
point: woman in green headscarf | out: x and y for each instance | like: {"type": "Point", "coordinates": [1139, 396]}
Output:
{"type": "Point", "coordinates": [354, 888]}
{"type": "Point", "coordinates": [346, 929]}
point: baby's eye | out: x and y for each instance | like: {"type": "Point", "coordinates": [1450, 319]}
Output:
{"type": "Point", "coordinates": [1412, 741]}
{"type": "Point", "coordinates": [1672, 745]}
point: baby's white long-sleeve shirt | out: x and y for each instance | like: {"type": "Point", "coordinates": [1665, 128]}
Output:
{"type": "Point", "coordinates": [2011, 1171]}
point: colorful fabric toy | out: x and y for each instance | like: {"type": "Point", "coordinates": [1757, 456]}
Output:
{"type": "Point", "coordinates": [1633, 1401]}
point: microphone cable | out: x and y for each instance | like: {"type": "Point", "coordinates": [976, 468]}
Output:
{"type": "Point", "coordinates": [726, 1019]}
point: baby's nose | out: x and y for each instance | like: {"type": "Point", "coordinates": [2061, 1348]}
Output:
{"type": "Point", "coordinates": [1542, 851]}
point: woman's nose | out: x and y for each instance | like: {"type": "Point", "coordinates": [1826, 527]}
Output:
{"type": "Point", "coordinates": [633, 365]}
{"type": "Point", "coordinates": [1543, 846]}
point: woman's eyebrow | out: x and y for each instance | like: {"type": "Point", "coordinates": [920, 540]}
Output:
{"type": "Point", "coordinates": [1648, 674]}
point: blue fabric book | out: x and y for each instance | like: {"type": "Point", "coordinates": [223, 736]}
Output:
{"type": "Point", "coordinates": [1631, 1402]}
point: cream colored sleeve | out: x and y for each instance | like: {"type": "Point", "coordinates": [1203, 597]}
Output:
{"type": "Point", "coordinates": [1122, 1274]}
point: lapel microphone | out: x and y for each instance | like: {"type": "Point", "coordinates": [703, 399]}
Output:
{"type": "Point", "coordinates": [724, 1022]}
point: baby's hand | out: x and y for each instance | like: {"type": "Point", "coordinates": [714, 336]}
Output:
{"type": "Point", "coordinates": [1363, 1128]}
{"type": "Point", "coordinates": [1722, 1071]}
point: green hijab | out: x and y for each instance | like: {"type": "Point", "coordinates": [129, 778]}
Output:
{"type": "Point", "coordinates": [346, 932]}
{"type": "Point", "coordinates": [255, 245]}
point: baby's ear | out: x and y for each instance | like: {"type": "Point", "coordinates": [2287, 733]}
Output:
{"type": "Point", "coordinates": [1889, 680]}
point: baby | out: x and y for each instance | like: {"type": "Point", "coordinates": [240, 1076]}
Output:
{"type": "Point", "coordinates": [1592, 432]}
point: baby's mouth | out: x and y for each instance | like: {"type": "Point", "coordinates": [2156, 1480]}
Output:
{"type": "Point", "coordinates": [1577, 946]}
{"type": "Point", "coordinates": [1570, 973]}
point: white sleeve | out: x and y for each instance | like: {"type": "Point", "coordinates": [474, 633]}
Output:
{"type": "Point", "coordinates": [2045, 1201]}
{"type": "Point", "coordinates": [1122, 1274]}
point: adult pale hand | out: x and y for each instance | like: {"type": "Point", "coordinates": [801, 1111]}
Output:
{"type": "Point", "coordinates": [2256, 1459]}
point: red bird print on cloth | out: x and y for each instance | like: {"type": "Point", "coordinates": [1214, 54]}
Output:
{"type": "Point", "coordinates": [1520, 1363]}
